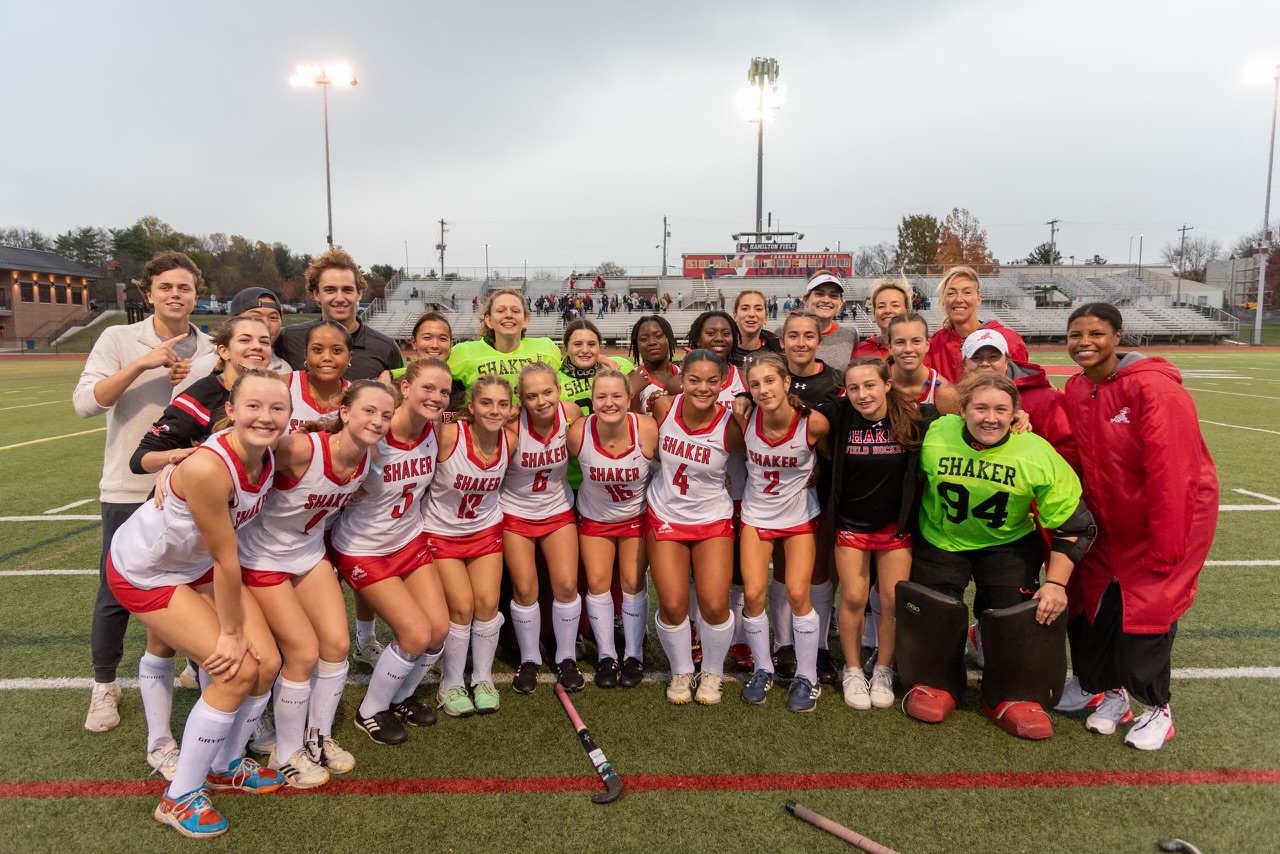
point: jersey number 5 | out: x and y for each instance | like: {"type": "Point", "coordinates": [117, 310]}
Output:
{"type": "Point", "coordinates": [407, 497]}
{"type": "Point", "coordinates": [994, 511]}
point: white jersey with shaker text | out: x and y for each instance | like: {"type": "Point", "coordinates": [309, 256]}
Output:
{"type": "Point", "coordinates": [464, 493]}
{"type": "Point", "coordinates": [288, 535]}
{"type": "Point", "coordinates": [613, 486]}
{"type": "Point", "coordinates": [161, 546]}
{"type": "Point", "coordinates": [305, 407]}
{"type": "Point", "coordinates": [536, 485]}
{"type": "Point", "coordinates": [689, 486]}
{"type": "Point", "coordinates": [778, 495]}
{"type": "Point", "coordinates": [388, 515]}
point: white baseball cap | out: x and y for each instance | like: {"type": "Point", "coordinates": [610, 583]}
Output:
{"type": "Point", "coordinates": [984, 338]}
{"type": "Point", "coordinates": [824, 277]}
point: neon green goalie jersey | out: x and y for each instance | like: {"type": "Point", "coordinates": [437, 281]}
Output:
{"type": "Point", "coordinates": [472, 359]}
{"type": "Point", "coordinates": [975, 498]}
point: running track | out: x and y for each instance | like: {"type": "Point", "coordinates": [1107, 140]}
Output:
{"type": "Point", "coordinates": [691, 783]}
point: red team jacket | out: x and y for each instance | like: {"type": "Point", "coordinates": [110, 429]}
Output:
{"type": "Point", "coordinates": [870, 346]}
{"type": "Point", "coordinates": [1047, 409]}
{"type": "Point", "coordinates": [944, 350]}
{"type": "Point", "coordinates": [1151, 485]}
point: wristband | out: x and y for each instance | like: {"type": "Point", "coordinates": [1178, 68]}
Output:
{"type": "Point", "coordinates": [1059, 583]}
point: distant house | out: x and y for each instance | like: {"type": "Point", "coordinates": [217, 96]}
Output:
{"type": "Point", "coordinates": [42, 294]}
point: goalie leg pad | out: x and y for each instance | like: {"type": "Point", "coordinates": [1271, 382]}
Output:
{"type": "Point", "coordinates": [1025, 661]}
{"type": "Point", "coordinates": [931, 630]}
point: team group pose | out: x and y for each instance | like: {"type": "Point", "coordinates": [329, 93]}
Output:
{"type": "Point", "coordinates": [912, 466]}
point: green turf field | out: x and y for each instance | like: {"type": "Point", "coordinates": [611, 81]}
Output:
{"type": "Point", "coordinates": [711, 779]}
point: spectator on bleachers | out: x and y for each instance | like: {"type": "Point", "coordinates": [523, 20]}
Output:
{"type": "Point", "coordinates": [960, 293]}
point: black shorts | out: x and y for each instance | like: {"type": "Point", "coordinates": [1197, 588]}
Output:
{"type": "Point", "coordinates": [1015, 564]}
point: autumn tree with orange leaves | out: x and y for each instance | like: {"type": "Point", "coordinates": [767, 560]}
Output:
{"type": "Point", "coordinates": [963, 241]}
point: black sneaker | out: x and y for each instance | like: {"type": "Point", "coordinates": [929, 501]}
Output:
{"type": "Point", "coordinates": [526, 677]}
{"type": "Point", "coordinates": [826, 668]}
{"type": "Point", "coordinates": [784, 662]}
{"type": "Point", "coordinates": [415, 713]}
{"type": "Point", "coordinates": [384, 727]}
{"type": "Point", "coordinates": [569, 676]}
{"type": "Point", "coordinates": [632, 673]}
{"type": "Point", "coordinates": [607, 673]}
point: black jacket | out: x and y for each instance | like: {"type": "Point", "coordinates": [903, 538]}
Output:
{"type": "Point", "coordinates": [187, 421]}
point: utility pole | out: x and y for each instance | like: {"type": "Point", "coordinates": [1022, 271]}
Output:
{"type": "Point", "coordinates": [666, 234]}
{"type": "Point", "coordinates": [1182, 258]}
{"type": "Point", "coordinates": [1053, 242]}
{"type": "Point", "coordinates": [440, 248]}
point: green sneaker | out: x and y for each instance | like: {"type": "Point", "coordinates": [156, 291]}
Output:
{"type": "Point", "coordinates": [456, 703]}
{"type": "Point", "coordinates": [486, 698]}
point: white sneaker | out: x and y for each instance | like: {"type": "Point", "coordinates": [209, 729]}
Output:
{"type": "Point", "coordinates": [1153, 729]}
{"type": "Point", "coordinates": [263, 740]}
{"type": "Point", "coordinates": [328, 753]}
{"type": "Point", "coordinates": [104, 711]}
{"type": "Point", "coordinates": [1111, 712]}
{"type": "Point", "coordinates": [301, 771]}
{"type": "Point", "coordinates": [188, 678]}
{"type": "Point", "coordinates": [164, 760]}
{"type": "Point", "coordinates": [857, 691]}
{"type": "Point", "coordinates": [1075, 698]}
{"type": "Point", "coordinates": [367, 652]}
{"type": "Point", "coordinates": [710, 689]}
{"type": "Point", "coordinates": [680, 689]}
{"type": "Point", "coordinates": [882, 687]}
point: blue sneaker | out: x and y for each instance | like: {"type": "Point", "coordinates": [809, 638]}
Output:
{"type": "Point", "coordinates": [757, 687]}
{"type": "Point", "coordinates": [246, 775]}
{"type": "Point", "coordinates": [803, 696]}
{"type": "Point", "coordinates": [192, 815]}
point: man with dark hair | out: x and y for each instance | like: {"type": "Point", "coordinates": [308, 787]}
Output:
{"type": "Point", "coordinates": [335, 282]}
{"type": "Point", "coordinates": [126, 377]}
{"type": "Point", "coordinates": [253, 302]}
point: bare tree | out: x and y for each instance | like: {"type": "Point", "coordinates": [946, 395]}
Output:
{"type": "Point", "coordinates": [878, 260]}
{"type": "Point", "coordinates": [609, 268]}
{"type": "Point", "coordinates": [1192, 258]}
{"type": "Point", "coordinates": [21, 237]}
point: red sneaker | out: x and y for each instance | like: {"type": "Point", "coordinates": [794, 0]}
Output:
{"type": "Point", "coordinates": [931, 705]}
{"type": "Point", "coordinates": [1022, 718]}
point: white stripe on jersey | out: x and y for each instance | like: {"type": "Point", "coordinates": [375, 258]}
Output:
{"type": "Point", "coordinates": [464, 494]}
{"type": "Point", "coordinates": [288, 535]}
{"type": "Point", "coordinates": [536, 485]}
{"type": "Point", "coordinates": [778, 495]}
{"type": "Point", "coordinates": [932, 385]}
{"type": "Point", "coordinates": [389, 513]}
{"type": "Point", "coordinates": [305, 407]}
{"type": "Point", "coordinates": [161, 546]}
{"type": "Point", "coordinates": [732, 386]}
{"type": "Point", "coordinates": [613, 485]}
{"type": "Point", "coordinates": [689, 486]}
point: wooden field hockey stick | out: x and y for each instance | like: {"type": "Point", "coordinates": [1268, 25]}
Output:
{"type": "Point", "coordinates": [612, 782]}
{"type": "Point", "coordinates": [821, 822]}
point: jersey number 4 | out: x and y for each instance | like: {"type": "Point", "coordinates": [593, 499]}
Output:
{"type": "Point", "coordinates": [994, 511]}
{"type": "Point", "coordinates": [680, 480]}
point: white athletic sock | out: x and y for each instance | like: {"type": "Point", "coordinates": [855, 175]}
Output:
{"type": "Point", "coordinates": [364, 631]}
{"type": "Point", "coordinates": [676, 643]}
{"type": "Point", "coordinates": [756, 631]}
{"type": "Point", "coordinates": [419, 672]}
{"type": "Point", "coordinates": [780, 614]}
{"type": "Point", "coordinates": [203, 736]}
{"type": "Point", "coordinates": [871, 630]}
{"type": "Point", "coordinates": [716, 641]}
{"type": "Point", "coordinates": [203, 677]}
{"type": "Point", "coordinates": [600, 613]}
{"type": "Point", "coordinates": [736, 598]}
{"type": "Point", "coordinates": [326, 692]}
{"type": "Point", "coordinates": [251, 711]}
{"type": "Point", "coordinates": [635, 616]}
{"type": "Point", "coordinates": [484, 645]}
{"type": "Point", "coordinates": [806, 630]}
{"type": "Point", "coordinates": [455, 656]}
{"type": "Point", "coordinates": [526, 620]}
{"type": "Point", "coordinates": [292, 700]}
{"type": "Point", "coordinates": [155, 683]}
{"type": "Point", "coordinates": [823, 597]}
{"type": "Point", "coordinates": [566, 617]}
{"type": "Point", "coordinates": [389, 675]}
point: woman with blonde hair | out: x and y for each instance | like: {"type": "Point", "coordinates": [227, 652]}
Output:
{"type": "Point", "coordinates": [889, 298]}
{"type": "Point", "coordinates": [960, 294]}
{"type": "Point", "coordinates": [501, 347]}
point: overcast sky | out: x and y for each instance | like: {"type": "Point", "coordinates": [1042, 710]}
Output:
{"type": "Point", "coordinates": [562, 133]}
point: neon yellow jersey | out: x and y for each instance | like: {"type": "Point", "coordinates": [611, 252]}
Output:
{"type": "Point", "coordinates": [981, 498]}
{"type": "Point", "coordinates": [472, 359]}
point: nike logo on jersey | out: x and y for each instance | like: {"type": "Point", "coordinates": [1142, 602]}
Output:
{"type": "Point", "coordinates": [1121, 417]}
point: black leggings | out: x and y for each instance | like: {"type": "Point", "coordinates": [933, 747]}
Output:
{"type": "Point", "coordinates": [1109, 657]}
{"type": "Point", "coordinates": [1005, 575]}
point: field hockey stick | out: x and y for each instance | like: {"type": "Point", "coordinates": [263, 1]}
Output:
{"type": "Point", "coordinates": [857, 840]}
{"type": "Point", "coordinates": [612, 782]}
{"type": "Point", "coordinates": [1178, 845]}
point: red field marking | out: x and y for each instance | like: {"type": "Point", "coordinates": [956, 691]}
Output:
{"type": "Point", "coordinates": [693, 783]}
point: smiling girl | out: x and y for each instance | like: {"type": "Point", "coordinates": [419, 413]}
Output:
{"type": "Point", "coordinates": [960, 294]}
{"type": "Point", "coordinates": [501, 349]}
{"type": "Point", "coordinates": [750, 312]}
{"type": "Point", "coordinates": [317, 391]}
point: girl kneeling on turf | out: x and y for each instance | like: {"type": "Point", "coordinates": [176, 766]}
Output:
{"type": "Point", "coordinates": [463, 523]}
{"type": "Point", "coordinates": [690, 521]}
{"type": "Point", "coordinates": [614, 449]}
{"type": "Point", "coordinates": [537, 510]}
{"type": "Point", "coordinates": [284, 564]}
{"type": "Point", "coordinates": [159, 569]}
{"type": "Point", "coordinates": [380, 550]}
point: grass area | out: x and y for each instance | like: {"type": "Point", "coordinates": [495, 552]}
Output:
{"type": "Point", "coordinates": [1222, 723]}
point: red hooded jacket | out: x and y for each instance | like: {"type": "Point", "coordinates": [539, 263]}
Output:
{"type": "Point", "coordinates": [870, 346]}
{"type": "Point", "coordinates": [1151, 485]}
{"type": "Point", "coordinates": [1047, 409]}
{"type": "Point", "coordinates": [944, 350]}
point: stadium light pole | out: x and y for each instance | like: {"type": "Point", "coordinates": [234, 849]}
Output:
{"type": "Point", "coordinates": [324, 77]}
{"type": "Point", "coordinates": [406, 256]}
{"type": "Point", "coordinates": [486, 263]}
{"type": "Point", "coordinates": [1266, 218]}
{"type": "Point", "coordinates": [1140, 256]}
{"type": "Point", "coordinates": [762, 74]}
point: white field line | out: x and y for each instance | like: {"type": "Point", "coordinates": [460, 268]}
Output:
{"type": "Point", "coordinates": [24, 388]}
{"type": "Point", "coordinates": [85, 518]}
{"type": "Point", "coordinates": [84, 683]}
{"type": "Point", "coordinates": [52, 439]}
{"type": "Point", "coordinates": [1240, 427]}
{"type": "Point", "coordinates": [29, 405]}
{"type": "Point", "coordinates": [1228, 507]}
{"type": "Point", "coordinates": [69, 506]}
{"type": "Point", "coordinates": [1233, 393]}
{"type": "Point", "coordinates": [14, 573]}
{"type": "Point", "coordinates": [1257, 495]}
{"type": "Point", "coordinates": [1227, 563]}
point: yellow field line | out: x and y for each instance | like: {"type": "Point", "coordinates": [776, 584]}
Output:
{"type": "Point", "coordinates": [50, 439]}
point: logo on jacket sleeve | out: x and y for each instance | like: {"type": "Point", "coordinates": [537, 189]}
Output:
{"type": "Point", "coordinates": [1121, 417]}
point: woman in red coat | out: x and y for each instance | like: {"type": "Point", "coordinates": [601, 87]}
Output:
{"type": "Point", "coordinates": [1154, 491]}
{"type": "Point", "coordinates": [960, 294]}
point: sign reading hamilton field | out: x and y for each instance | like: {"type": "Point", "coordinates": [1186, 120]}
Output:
{"type": "Point", "coordinates": [763, 264]}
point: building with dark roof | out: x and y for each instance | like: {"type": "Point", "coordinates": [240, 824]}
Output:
{"type": "Point", "coordinates": [42, 295]}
